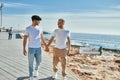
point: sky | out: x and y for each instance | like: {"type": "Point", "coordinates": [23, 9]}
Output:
{"type": "Point", "coordinates": [81, 16]}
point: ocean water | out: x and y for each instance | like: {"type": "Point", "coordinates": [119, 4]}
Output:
{"type": "Point", "coordinates": [106, 41]}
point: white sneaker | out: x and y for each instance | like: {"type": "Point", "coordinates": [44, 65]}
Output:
{"type": "Point", "coordinates": [55, 76]}
{"type": "Point", "coordinates": [64, 78]}
{"type": "Point", "coordinates": [36, 73]}
{"type": "Point", "coordinates": [31, 78]}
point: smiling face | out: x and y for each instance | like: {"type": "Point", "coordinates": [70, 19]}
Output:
{"type": "Point", "coordinates": [36, 22]}
{"type": "Point", "coordinates": [60, 23]}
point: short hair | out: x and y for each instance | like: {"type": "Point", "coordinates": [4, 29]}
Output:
{"type": "Point", "coordinates": [36, 17]}
{"type": "Point", "coordinates": [61, 20]}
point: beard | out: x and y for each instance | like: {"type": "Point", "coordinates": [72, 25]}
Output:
{"type": "Point", "coordinates": [60, 27]}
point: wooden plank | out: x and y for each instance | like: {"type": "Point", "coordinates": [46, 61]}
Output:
{"type": "Point", "coordinates": [14, 66]}
{"type": "Point", "coordinates": [5, 76]}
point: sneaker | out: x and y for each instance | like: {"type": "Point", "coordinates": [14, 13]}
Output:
{"type": "Point", "coordinates": [31, 78]}
{"type": "Point", "coordinates": [64, 78]}
{"type": "Point", "coordinates": [36, 73]}
{"type": "Point", "coordinates": [55, 76]}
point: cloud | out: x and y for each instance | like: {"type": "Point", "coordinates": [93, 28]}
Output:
{"type": "Point", "coordinates": [10, 4]}
{"type": "Point", "coordinates": [95, 14]}
{"type": "Point", "coordinates": [102, 22]}
{"type": "Point", "coordinates": [116, 7]}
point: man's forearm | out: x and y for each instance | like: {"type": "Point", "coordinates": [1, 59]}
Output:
{"type": "Point", "coordinates": [43, 39]}
{"type": "Point", "coordinates": [69, 43]}
{"type": "Point", "coordinates": [50, 41]}
{"type": "Point", "coordinates": [24, 44]}
{"type": "Point", "coordinates": [68, 46]}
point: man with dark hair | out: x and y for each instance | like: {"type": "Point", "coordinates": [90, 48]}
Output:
{"type": "Point", "coordinates": [62, 36]}
{"type": "Point", "coordinates": [35, 17]}
{"type": "Point", "coordinates": [35, 36]}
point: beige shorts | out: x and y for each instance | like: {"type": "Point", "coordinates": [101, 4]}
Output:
{"type": "Point", "coordinates": [59, 52]}
{"type": "Point", "coordinates": [59, 55]}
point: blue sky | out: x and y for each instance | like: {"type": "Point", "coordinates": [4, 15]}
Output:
{"type": "Point", "coordinates": [82, 16]}
{"type": "Point", "coordinates": [42, 6]}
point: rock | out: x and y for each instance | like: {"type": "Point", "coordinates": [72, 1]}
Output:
{"type": "Point", "coordinates": [113, 68]}
{"type": "Point", "coordinates": [119, 65]}
{"type": "Point", "coordinates": [103, 60]}
{"type": "Point", "coordinates": [98, 79]}
{"type": "Point", "coordinates": [119, 69]}
{"type": "Point", "coordinates": [96, 62]}
{"type": "Point", "coordinates": [117, 55]}
{"type": "Point", "coordinates": [88, 78]}
{"type": "Point", "coordinates": [71, 65]}
{"type": "Point", "coordinates": [88, 73]}
{"type": "Point", "coordinates": [71, 54]}
{"type": "Point", "coordinates": [77, 72]}
{"type": "Point", "coordinates": [117, 61]}
{"type": "Point", "coordinates": [102, 73]}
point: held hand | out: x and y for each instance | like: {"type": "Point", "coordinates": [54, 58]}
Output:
{"type": "Point", "coordinates": [46, 48]}
{"type": "Point", "coordinates": [24, 52]}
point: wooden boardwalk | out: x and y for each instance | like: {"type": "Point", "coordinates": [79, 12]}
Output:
{"type": "Point", "coordinates": [14, 66]}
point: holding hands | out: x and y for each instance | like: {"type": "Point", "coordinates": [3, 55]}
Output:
{"type": "Point", "coordinates": [46, 48]}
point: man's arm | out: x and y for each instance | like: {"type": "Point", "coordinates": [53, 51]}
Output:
{"type": "Point", "coordinates": [46, 47]}
{"type": "Point", "coordinates": [42, 38]}
{"type": "Point", "coordinates": [24, 44]}
{"type": "Point", "coordinates": [50, 41]}
{"type": "Point", "coordinates": [68, 40]}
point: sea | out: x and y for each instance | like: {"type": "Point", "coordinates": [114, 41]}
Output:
{"type": "Point", "coordinates": [94, 40]}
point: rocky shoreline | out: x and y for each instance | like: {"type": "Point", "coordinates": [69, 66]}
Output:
{"type": "Point", "coordinates": [104, 67]}
{"type": "Point", "coordinates": [90, 67]}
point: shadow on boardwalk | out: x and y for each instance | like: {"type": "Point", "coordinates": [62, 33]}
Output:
{"type": "Point", "coordinates": [22, 78]}
{"type": "Point", "coordinates": [26, 77]}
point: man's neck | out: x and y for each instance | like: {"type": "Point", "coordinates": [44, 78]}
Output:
{"type": "Point", "coordinates": [61, 27]}
{"type": "Point", "coordinates": [33, 25]}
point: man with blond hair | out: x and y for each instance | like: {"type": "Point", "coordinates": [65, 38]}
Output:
{"type": "Point", "coordinates": [62, 38]}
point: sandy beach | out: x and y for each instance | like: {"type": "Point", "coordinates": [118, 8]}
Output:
{"type": "Point", "coordinates": [89, 67]}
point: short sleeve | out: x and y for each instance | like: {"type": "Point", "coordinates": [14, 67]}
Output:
{"type": "Point", "coordinates": [53, 34]}
{"type": "Point", "coordinates": [26, 32]}
{"type": "Point", "coordinates": [41, 31]}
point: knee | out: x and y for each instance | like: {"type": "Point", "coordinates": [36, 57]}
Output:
{"type": "Point", "coordinates": [63, 60]}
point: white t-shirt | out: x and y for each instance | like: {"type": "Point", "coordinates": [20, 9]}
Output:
{"type": "Point", "coordinates": [33, 34]}
{"type": "Point", "coordinates": [61, 38]}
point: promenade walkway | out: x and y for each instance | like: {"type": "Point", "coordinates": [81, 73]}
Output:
{"type": "Point", "coordinates": [14, 66]}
